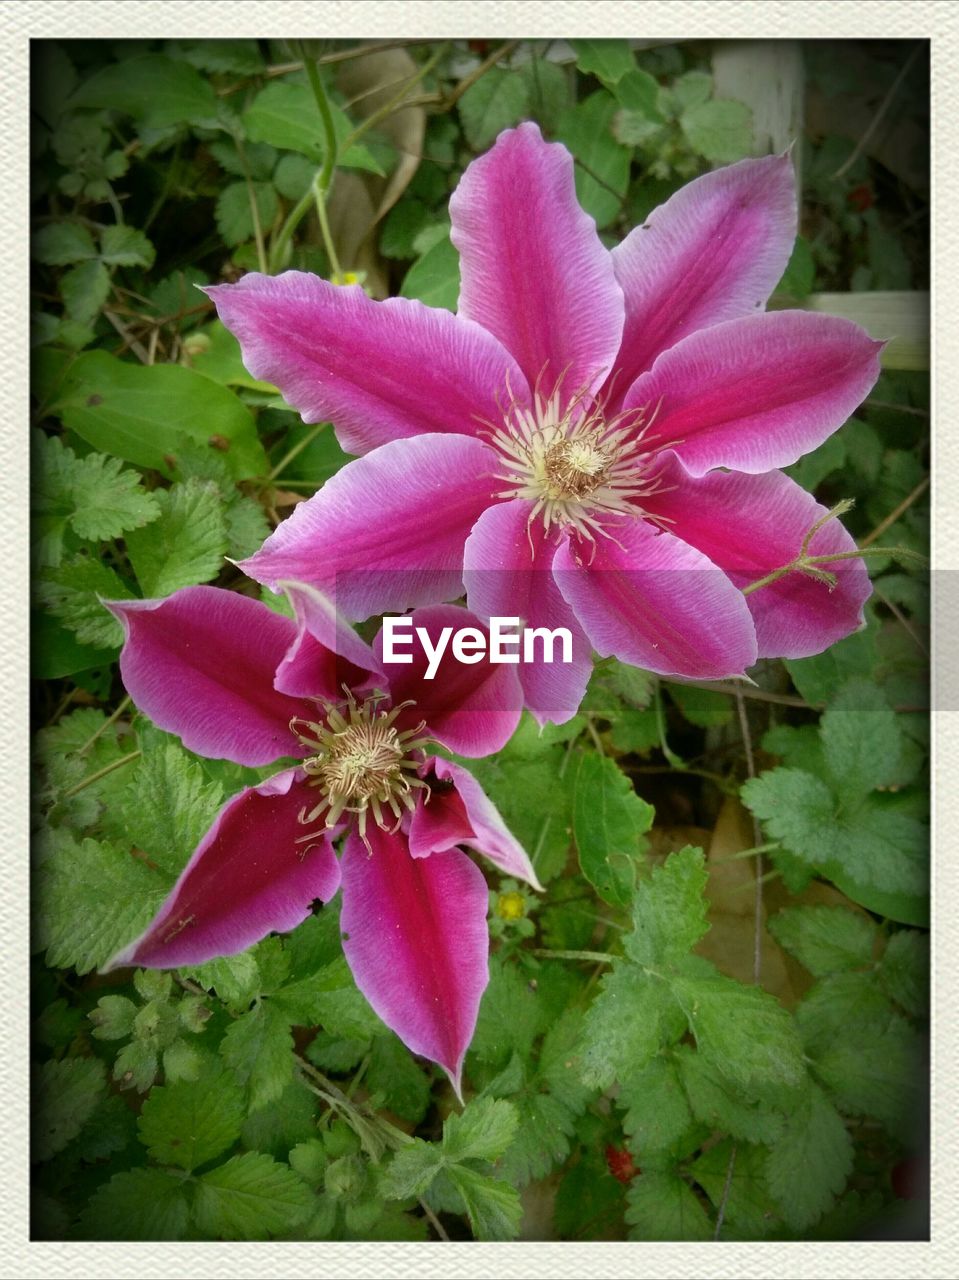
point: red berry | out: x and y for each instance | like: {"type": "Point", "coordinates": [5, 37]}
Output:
{"type": "Point", "coordinates": [861, 198]}
{"type": "Point", "coordinates": [620, 1164]}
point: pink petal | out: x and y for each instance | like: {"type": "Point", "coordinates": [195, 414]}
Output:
{"type": "Point", "coordinates": [751, 525]}
{"type": "Point", "coordinates": [758, 393]}
{"type": "Point", "coordinates": [388, 530]}
{"type": "Point", "coordinates": [656, 603]}
{"type": "Point", "coordinates": [415, 936]}
{"type": "Point", "coordinates": [472, 708]}
{"type": "Point", "coordinates": [534, 271]}
{"type": "Point", "coordinates": [461, 812]}
{"type": "Point", "coordinates": [201, 663]}
{"type": "Point", "coordinates": [248, 877]}
{"type": "Point", "coordinates": [508, 574]}
{"type": "Point", "coordinates": [714, 251]}
{"type": "Point", "coordinates": [379, 371]}
{"type": "Point", "coordinates": [327, 653]}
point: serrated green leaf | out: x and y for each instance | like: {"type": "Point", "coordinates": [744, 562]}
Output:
{"type": "Point", "coordinates": [412, 1170]}
{"type": "Point", "coordinates": [750, 1212]}
{"type": "Point", "coordinates": [602, 171]}
{"type": "Point", "coordinates": [497, 100]}
{"type": "Point", "coordinates": [66, 1093]}
{"type": "Point", "coordinates": [510, 1017]}
{"type": "Point", "coordinates": [123, 246]}
{"type": "Point", "coordinates": [669, 911]}
{"type": "Point", "coordinates": [84, 289]}
{"type": "Point", "coordinates": [235, 979]}
{"type": "Point", "coordinates": [61, 243]}
{"type": "Point", "coordinates": [156, 90]}
{"type": "Point", "coordinates": [95, 897]}
{"type": "Point", "coordinates": [608, 60]}
{"type": "Point", "coordinates": [73, 593]}
{"type": "Point", "coordinates": [862, 743]}
{"type": "Point", "coordinates": [144, 1204]}
{"type": "Point", "coordinates": [692, 89]}
{"type": "Point", "coordinates": [808, 1165]}
{"type": "Point", "coordinates": [167, 807]}
{"type": "Point", "coordinates": [742, 1031]}
{"type": "Point", "coordinates": [251, 1197]}
{"type": "Point", "coordinates": [493, 1207]}
{"type": "Point", "coordinates": [242, 57]}
{"type": "Point", "coordinates": [717, 1102]}
{"type": "Point", "coordinates": [181, 1062]}
{"type": "Point", "coordinates": [113, 1018]}
{"type": "Point", "coordinates": [626, 1025]}
{"type": "Point", "coordinates": [609, 822]}
{"type": "Point", "coordinates": [186, 545]}
{"type": "Point", "coordinates": [395, 1076]}
{"type": "Point", "coordinates": [258, 1047]}
{"type": "Point", "coordinates": [548, 91]}
{"type": "Point", "coordinates": [657, 1113]}
{"type": "Point", "coordinates": [276, 1128]}
{"type": "Point", "coordinates": [720, 130]}
{"type": "Point", "coordinates": [234, 211]}
{"type": "Point", "coordinates": [820, 677]}
{"type": "Point", "coordinates": [482, 1131]}
{"type": "Point", "coordinates": [903, 971]}
{"type": "Point", "coordinates": [189, 1124]}
{"type": "Point", "coordinates": [123, 409]}
{"type": "Point", "coordinates": [661, 1206]}
{"type": "Point", "coordinates": [825, 939]}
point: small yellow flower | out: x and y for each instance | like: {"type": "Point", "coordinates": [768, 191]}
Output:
{"type": "Point", "coordinates": [510, 906]}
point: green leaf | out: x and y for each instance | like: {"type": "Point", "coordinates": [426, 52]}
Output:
{"type": "Point", "coordinates": [96, 898]}
{"type": "Point", "coordinates": [701, 706]}
{"type": "Point", "coordinates": [122, 246]}
{"type": "Point", "coordinates": [609, 821]}
{"type": "Point", "coordinates": [661, 1206]}
{"type": "Point", "coordinates": [750, 1211]}
{"type": "Point", "coordinates": [72, 593]}
{"type": "Point", "coordinates": [60, 243]}
{"type": "Point", "coordinates": [168, 806]}
{"type": "Point", "coordinates": [742, 1031]}
{"type": "Point", "coordinates": [66, 1093]}
{"type": "Point", "coordinates": [144, 1204]}
{"type": "Point", "coordinates": [692, 89]}
{"type": "Point", "coordinates": [717, 1102]}
{"type": "Point", "coordinates": [819, 678]}
{"type": "Point", "coordinates": [242, 57]}
{"type": "Point", "coordinates": [259, 1048]}
{"type": "Point", "coordinates": [435, 278]}
{"type": "Point", "coordinates": [608, 60]}
{"type": "Point", "coordinates": [497, 100]}
{"type": "Point", "coordinates": [510, 1016]}
{"type": "Point", "coordinates": [186, 545]}
{"type": "Point", "coordinates": [548, 91]}
{"type": "Point", "coordinates": [669, 911]}
{"type": "Point", "coordinates": [84, 289]}
{"type": "Point", "coordinates": [285, 114]}
{"type": "Point", "coordinates": [809, 1164]}
{"type": "Point", "coordinates": [720, 131]}
{"type": "Point", "coordinates": [190, 1123]}
{"type": "Point", "coordinates": [234, 213]}
{"type": "Point", "coordinates": [412, 1170]}
{"type": "Point", "coordinates": [825, 939]}
{"type": "Point", "coordinates": [251, 1197]}
{"type": "Point", "coordinates": [482, 1131]}
{"type": "Point", "coordinates": [493, 1207]}
{"type": "Point", "coordinates": [862, 743]}
{"type": "Point", "coordinates": [903, 971]}
{"type": "Point", "coordinates": [113, 1018]}
{"type": "Point", "coordinates": [602, 169]}
{"type": "Point", "coordinates": [394, 1075]}
{"type": "Point", "coordinates": [656, 1107]}
{"type": "Point", "coordinates": [626, 1025]}
{"type": "Point", "coordinates": [125, 409]}
{"type": "Point", "coordinates": [157, 91]}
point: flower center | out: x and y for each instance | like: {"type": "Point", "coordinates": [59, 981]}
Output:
{"type": "Point", "coordinates": [361, 763]}
{"type": "Point", "coordinates": [576, 466]}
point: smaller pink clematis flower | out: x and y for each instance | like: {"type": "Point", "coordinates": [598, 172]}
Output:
{"type": "Point", "coordinates": [592, 441]}
{"type": "Point", "coordinates": [237, 681]}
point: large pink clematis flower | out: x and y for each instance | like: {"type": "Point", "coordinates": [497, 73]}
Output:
{"type": "Point", "coordinates": [594, 439]}
{"type": "Point", "coordinates": [237, 681]}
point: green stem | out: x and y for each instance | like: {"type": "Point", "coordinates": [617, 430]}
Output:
{"type": "Point", "coordinates": [803, 562]}
{"type": "Point", "coordinates": [676, 761]}
{"type": "Point", "coordinates": [748, 853]}
{"type": "Point", "coordinates": [106, 725]}
{"type": "Point", "coordinates": [319, 193]}
{"type": "Point", "coordinates": [389, 107]}
{"type": "Point", "coordinates": [294, 453]}
{"type": "Point", "coordinates": [323, 105]}
{"type": "Point", "coordinates": [101, 773]}
{"type": "Point", "coordinates": [592, 957]}
{"type": "Point", "coordinates": [285, 234]}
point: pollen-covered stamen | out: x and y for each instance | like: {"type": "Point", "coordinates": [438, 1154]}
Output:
{"type": "Point", "coordinates": [361, 763]}
{"type": "Point", "coordinates": [576, 465]}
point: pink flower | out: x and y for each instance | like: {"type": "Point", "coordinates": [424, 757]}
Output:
{"type": "Point", "coordinates": [237, 681]}
{"type": "Point", "coordinates": [592, 441]}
